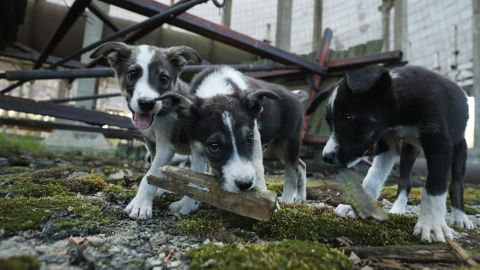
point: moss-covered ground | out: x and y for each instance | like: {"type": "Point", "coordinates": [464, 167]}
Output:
{"type": "Point", "coordinates": [76, 199]}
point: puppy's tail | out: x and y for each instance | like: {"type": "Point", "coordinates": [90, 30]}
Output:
{"type": "Point", "coordinates": [321, 96]}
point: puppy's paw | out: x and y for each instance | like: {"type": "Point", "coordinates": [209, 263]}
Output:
{"type": "Point", "coordinates": [287, 198]}
{"type": "Point", "coordinates": [460, 220]}
{"type": "Point", "coordinates": [397, 209]}
{"type": "Point", "coordinates": [185, 206]}
{"type": "Point", "coordinates": [432, 229]}
{"type": "Point", "coordinates": [345, 210]}
{"type": "Point", "coordinates": [139, 208]}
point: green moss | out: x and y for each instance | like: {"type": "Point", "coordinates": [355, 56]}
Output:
{"type": "Point", "coordinates": [119, 194]}
{"type": "Point", "coordinates": [281, 255]}
{"type": "Point", "coordinates": [20, 263]}
{"type": "Point", "coordinates": [204, 223]}
{"type": "Point", "coordinates": [35, 190]}
{"type": "Point", "coordinates": [65, 212]}
{"type": "Point", "coordinates": [15, 170]}
{"type": "Point", "coordinates": [88, 184]}
{"type": "Point", "coordinates": [12, 143]}
{"type": "Point", "coordinates": [471, 211]}
{"type": "Point", "coordinates": [304, 223]}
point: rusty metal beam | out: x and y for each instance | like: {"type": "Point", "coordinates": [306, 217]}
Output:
{"type": "Point", "coordinates": [14, 75]}
{"type": "Point", "coordinates": [33, 57]}
{"type": "Point", "coordinates": [157, 19]}
{"type": "Point", "coordinates": [75, 11]}
{"type": "Point", "coordinates": [322, 59]}
{"type": "Point", "coordinates": [219, 33]}
{"type": "Point", "coordinates": [354, 62]}
{"type": "Point", "coordinates": [65, 112]}
{"type": "Point", "coordinates": [37, 125]}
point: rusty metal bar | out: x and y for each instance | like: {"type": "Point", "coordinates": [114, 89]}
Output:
{"type": "Point", "coordinates": [220, 33]}
{"type": "Point", "coordinates": [63, 100]}
{"type": "Point", "coordinates": [102, 16]}
{"type": "Point", "coordinates": [155, 20]}
{"type": "Point", "coordinates": [49, 126]}
{"type": "Point", "coordinates": [66, 112]}
{"type": "Point", "coordinates": [354, 62]}
{"type": "Point", "coordinates": [33, 57]}
{"type": "Point", "coordinates": [108, 72]}
{"type": "Point", "coordinates": [322, 59]}
{"type": "Point", "coordinates": [73, 13]}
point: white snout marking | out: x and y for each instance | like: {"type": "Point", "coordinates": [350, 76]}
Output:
{"type": "Point", "coordinates": [236, 168]}
{"type": "Point", "coordinates": [142, 89]}
{"type": "Point", "coordinates": [331, 146]}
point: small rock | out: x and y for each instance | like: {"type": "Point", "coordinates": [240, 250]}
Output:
{"type": "Point", "coordinates": [477, 215]}
{"type": "Point", "coordinates": [4, 162]}
{"type": "Point", "coordinates": [209, 263]}
{"type": "Point", "coordinates": [120, 175]}
{"type": "Point", "coordinates": [354, 258]}
{"type": "Point", "coordinates": [174, 264]}
{"type": "Point", "coordinates": [75, 175]}
{"type": "Point", "coordinates": [206, 241]}
{"type": "Point", "coordinates": [157, 268]}
{"type": "Point", "coordinates": [115, 249]}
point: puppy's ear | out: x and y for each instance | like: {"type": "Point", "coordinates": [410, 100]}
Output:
{"type": "Point", "coordinates": [368, 79]}
{"type": "Point", "coordinates": [321, 96]}
{"type": "Point", "coordinates": [183, 105]}
{"type": "Point", "coordinates": [114, 52]}
{"type": "Point", "coordinates": [255, 99]}
{"type": "Point", "coordinates": [182, 55]}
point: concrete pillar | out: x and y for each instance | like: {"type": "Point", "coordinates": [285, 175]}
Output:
{"type": "Point", "coordinates": [93, 32]}
{"type": "Point", "coordinates": [317, 24]}
{"type": "Point", "coordinates": [400, 39]}
{"type": "Point", "coordinates": [227, 14]}
{"type": "Point", "coordinates": [385, 8]}
{"type": "Point", "coordinates": [284, 24]}
{"type": "Point", "coordinates": [476, 71]}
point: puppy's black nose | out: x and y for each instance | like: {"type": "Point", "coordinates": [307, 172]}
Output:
{"type": "Point", "coordinates": [329, 157]}
{"type": "Point", "coordinates": [146, 105]}
{"type": "Point", "coordinates": [243, 185]}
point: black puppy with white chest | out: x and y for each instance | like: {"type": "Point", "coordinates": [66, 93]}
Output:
{"type": "Point", "coordinates": [413, 107]}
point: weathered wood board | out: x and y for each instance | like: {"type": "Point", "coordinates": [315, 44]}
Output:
{"type": "Point", "coordinates": [204, 187]}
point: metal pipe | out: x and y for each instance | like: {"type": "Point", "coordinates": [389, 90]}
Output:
{"type": "Point", "coordinates": [63, 100]}
{"type": "Point", "coordinates": [108, 72]}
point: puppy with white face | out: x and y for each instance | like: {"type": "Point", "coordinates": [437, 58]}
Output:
{"type": "Point", "coordinates": [145, 73]}
{"type": "Point", "coordinates": [229, 116]}
{"type": "Point", "coordinates": [413, 107]}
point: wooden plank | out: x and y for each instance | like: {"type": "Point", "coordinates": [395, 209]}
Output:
{"type": "Point", "coordinates": [365, 208]}
{"type": "Point", "coordinates": [66, 112]}
{"type": "Point", "coordinates": [205, 188]}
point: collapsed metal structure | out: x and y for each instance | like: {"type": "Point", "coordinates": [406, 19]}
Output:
{"type": "Point", "coordinates": [289, 64]}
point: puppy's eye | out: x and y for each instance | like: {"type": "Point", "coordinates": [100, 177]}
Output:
{"type": "Point", "coordinates": [132, 75]}
{"type": "Point", "coordinates": [250, 137]}
{"type": "Point", "coordinates": [164, 79]}
{"type": "Point", "coordinates": [349, 117]}
{"type": "Point", "coordinates": [214, 147]}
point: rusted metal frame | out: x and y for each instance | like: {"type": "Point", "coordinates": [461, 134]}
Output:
{"type": "Point", "coordinates": [66, 112]}
{"type": "Point", "coordinates": [33, 57]}
{"type": "Point", "coordinates": [108, 72]}
{"type": "Point", "coordinates": [220, 33]}
{"type": "Point", "coordinates": [75, 11]}
{"type": "Point", "coordinates": [37, 125]}
{"type": "Point", "coordinates": [322, 59]}
{"type": "Point", "coordinates": [102, 16]}
{"type": "Point", "coordinates": [155, 20]}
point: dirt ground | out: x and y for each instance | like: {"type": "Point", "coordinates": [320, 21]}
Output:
{"type": "Point", "coordinates": [66, 212]}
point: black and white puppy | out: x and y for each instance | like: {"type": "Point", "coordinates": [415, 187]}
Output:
{"type": "Point", "coordinates": [376, 107]}
{"type": "Point", "coordinates": [145, 73]}
{"type": "Point", "coordinates": [229, 116]}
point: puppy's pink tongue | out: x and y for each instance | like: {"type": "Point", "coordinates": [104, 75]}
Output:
{"type": "Point", "coordinates": [143, 120]}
